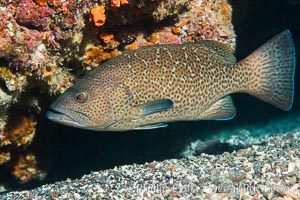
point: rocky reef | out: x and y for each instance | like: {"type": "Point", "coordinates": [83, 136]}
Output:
{"type": "Point", "coordinates": [46, 45]}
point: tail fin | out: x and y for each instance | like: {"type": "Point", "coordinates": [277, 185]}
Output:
{"type": "Point", "coordinates": [272, 69]}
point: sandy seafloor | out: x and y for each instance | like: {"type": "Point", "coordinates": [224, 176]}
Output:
{"type": "Point", "coordinates": [262, 166]}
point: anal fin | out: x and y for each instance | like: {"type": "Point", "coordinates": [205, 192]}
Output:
{"type": "Point", "coordinates": [152, 126]}
{"type": "Point", "coordinates": [223, 109]}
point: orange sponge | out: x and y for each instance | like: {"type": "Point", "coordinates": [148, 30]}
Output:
{"type": "Point", "coordinates": [124, 2]}
{"type": "Point", "coordinates": [115, 3]}
{"type": "Point", "coordinates": [98, 15]}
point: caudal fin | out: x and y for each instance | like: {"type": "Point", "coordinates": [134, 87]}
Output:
{"type": "Point", "coordinates": [272, 69]}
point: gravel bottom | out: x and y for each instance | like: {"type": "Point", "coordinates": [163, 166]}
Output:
{"type": "Point", "coordinates": [270, 170]}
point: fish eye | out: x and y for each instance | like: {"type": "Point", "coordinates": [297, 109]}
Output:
{"type": "Point", "coordinates": [81, 97]}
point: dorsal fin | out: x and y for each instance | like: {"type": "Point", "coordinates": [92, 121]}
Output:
{"type": "Point", "coordinates": [222, 110]}
{"type": "Point", "coordinates": [224, 51]}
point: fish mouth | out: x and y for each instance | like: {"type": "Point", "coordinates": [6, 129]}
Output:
{"type": "Point", "coordinates": [58, 116]}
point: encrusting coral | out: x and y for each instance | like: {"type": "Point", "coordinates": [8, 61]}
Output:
{"type": "Point", "coordinates": [26, 168]}
{"type": "Point", "coordinates": [20, 132]}
{"type": "Point", "coordinates": [4, 157]}
{"type": "Point", "coordinates": [48, 44]}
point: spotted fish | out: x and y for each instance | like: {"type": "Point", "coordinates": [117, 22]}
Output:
{"type": "Point", "coordinates": [148, 87]}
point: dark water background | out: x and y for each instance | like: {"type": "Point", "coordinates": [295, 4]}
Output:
{"type": "Point", "coordinates": [67, 152]}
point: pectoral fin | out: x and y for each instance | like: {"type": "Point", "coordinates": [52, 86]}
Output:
{"type": "Point", "coordinates": [152, 107]}
{"type": "Point", "coordinates": [152, 126]}
{"type": "Point", "coordinates": [223, 109]}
